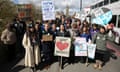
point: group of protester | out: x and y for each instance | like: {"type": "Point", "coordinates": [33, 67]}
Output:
{"type": "Point", "coordinates": [28, 36]}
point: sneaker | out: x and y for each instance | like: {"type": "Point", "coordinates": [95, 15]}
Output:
{"type": "Point", "coordinates": [86, 64]}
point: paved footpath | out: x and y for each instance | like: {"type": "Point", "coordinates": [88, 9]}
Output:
{"type": "Point", "coordinates": [113, 65]}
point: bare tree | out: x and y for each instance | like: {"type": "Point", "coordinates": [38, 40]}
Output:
{"type": "Point", "coordinates": [7, 12]}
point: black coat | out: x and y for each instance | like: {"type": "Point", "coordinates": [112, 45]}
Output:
{"type": "Point", "coordinates": [63, 34]}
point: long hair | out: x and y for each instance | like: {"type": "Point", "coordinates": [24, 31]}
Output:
{"type": "Point", "coordinates": [86, 31]}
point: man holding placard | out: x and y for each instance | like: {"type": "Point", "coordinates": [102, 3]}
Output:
{"type": "Point", "coordinates": [46, 41]}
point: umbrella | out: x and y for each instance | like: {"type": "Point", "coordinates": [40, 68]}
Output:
{"type": "Point", "coordinates": [101, 16]}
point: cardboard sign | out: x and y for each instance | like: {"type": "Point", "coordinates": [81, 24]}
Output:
{"type": "Point", "coordinates": [47, 37]}
{"type": "Point", "coordinates": [80, 47]}
{"type": "Point", "coordinates": [62, 46]}
{"type": "Point", "coordinates": [48, 10]}
{"type": "Point", "coordinates": [91, 50]}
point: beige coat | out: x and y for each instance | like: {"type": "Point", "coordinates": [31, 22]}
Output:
{"type": "Point", "coordinates": [30, 58]}
{"type": "Point", "coordinates": [8, 37]}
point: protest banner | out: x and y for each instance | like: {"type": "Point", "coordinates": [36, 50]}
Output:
{"type": "Point", "coordinates": [80, 46]}
{"type": "Point", "coordinates": [101, 16]}
{"type": "Point", "coordinates": [91, 50]}
{"type": "Point", "coordinates": [62, 46]}
{"type": "Point", "coordinates": [48, 10]}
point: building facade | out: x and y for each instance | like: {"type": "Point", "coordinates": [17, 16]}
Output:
{"type": "Point", "coordinates": [24, 11]}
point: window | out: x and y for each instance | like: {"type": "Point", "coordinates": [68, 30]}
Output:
{"type": "Point", "coordinates": [113, 20]}
{"type": "Point", "coordinates": [96, 6]}
{"type": "Point", "coordinates": [100, 4]}
{"type": "Point", "coordinates": [119, 21]}
{"type": "Point", "coordinates": [93, 7]}
{"type": "Point", "coordinates": [111, 1]}
{"type": "Point", "coordinates": [106, 2]}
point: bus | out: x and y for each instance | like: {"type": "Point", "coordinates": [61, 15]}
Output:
{"type": "Point", "coordinates": [113, 5]}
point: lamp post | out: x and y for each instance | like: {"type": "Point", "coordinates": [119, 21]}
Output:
{"type": "Point", "coordinates": [80, 5]}
{"type": "Point", "coordinates": [67, 4]}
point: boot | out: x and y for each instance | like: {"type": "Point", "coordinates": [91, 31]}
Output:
{"type": "Point", "coordinates": [96, 65]}
{"type": "Point", "coordinates": [100, 66]}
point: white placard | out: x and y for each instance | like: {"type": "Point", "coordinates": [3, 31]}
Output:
{"type": "Point", "coordinates": [91, 50]}
{"type": "Point", "coordinates": [62, 46]}
{"type": "Point", "coordinates": [48, 10]}
{"type": "Point", "coordinates": [80, 47]}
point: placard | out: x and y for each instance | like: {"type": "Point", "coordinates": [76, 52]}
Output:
{"type": "Point", "coordinates": [48, 10]}
{"type": "Point", "coordinates": [80, 47]}
{"type": "Point", "coordinates": [91, 50]}
{"type": "Point", "coordinates": [62, 46]}
{"type": "Point", "coordinates": [47, 37]}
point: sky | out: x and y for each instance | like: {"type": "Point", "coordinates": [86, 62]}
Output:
{"type": "Point", "coordinates": [59, 4]}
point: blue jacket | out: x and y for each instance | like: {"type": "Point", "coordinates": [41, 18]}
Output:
{"type": "Point", "coordinates": [87, 36]}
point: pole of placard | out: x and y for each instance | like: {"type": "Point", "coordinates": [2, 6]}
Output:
{"type": "Point", "coordinates": [34, 68]}
{"type": "Point", "coordinates": [61, 64]}
{"type": "Point", "coordinates": [87, 58]}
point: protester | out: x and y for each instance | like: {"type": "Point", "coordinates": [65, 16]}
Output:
{"type": "Point", "coordinates": [85, 34]}
{"type": "Point", "coordinates": [93, 30]}
{"type": "Point", "coordinates": [79, 25]}
{"type": "Point", "coordinates": [47, 45]}
{"type": "Point", "coordinates": [54, 30]}
{"type": "Point", "coordinates": [62, 32]}
{"type": "Point", "coordinates": [20, 27]}
{"type": "Point", "coordinates": [31, 45]}
{"type": "Point", "coordinates": [85, 24]}
{"type": "Point", "coordinates": [74, 30]}
{"type": "Point", "coordinates": [102, 53]}
{"type": "Point", "coordinates": [8, 37]}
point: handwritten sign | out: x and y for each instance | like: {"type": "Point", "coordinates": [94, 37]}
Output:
{"type": "Point", "coordinates": [62, 46]}
{"type": "Point", "coordinates": [80, 47]}
{"type": "Point", "coordinates": [47, 37]}
{"type": "Point", "coordinates": [91, 50]}
{"type": "Point", "coordinates": [48, 10]}
{"type": "Point", "coordinates": [102, 16]}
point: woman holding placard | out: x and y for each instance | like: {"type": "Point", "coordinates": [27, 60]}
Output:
{"type": "Point", "coordinates": [63, 33]}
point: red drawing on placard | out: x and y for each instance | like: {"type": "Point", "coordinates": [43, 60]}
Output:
{"type": "Point", "coordinates": [61, 46]}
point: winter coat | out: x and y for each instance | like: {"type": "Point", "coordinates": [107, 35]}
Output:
{"type": "Point", "coordinates": [63, 34]}
{"type": "Point", "coordinates": [74, 32]}
{"type": "Point", "coordinates": [8, 37]}
{"type": "Point", "coordinates": [32, 54]}
{"type": "Point", "coordinates": [101, 40]}
{"type": "Point", "coordinates": [93, 32]}
{"type": "Point", "coordinates": [85, 35]}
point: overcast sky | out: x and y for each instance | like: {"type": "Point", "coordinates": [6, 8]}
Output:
{"type": "Point", "coordinates": [58, 3]}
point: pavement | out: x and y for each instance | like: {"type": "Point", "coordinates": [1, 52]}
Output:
{"type": "Point", "coordinates": [113, 65]}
